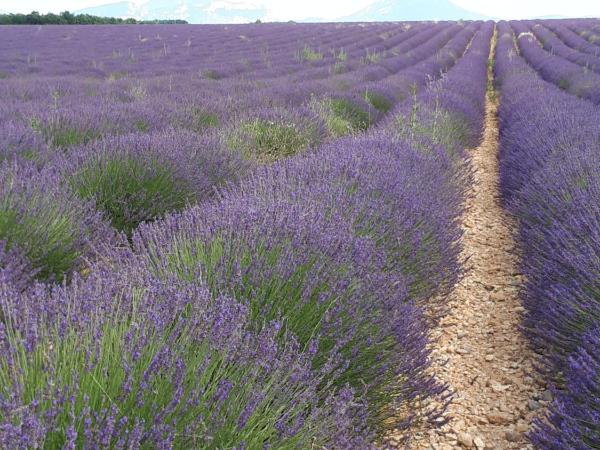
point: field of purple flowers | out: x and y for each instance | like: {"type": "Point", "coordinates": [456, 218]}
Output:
{"type": "Point", "coordinates": [240, 236]}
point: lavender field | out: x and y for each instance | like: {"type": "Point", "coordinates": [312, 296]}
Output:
{"type": "Point", "coordinates": [249, 236]}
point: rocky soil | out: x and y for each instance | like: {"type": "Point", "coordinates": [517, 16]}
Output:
{"type": "Point", "coordinates": [478, 349]}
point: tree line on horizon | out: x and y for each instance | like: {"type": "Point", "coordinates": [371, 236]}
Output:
{"type": "Point", "coordinates": [68, 18]}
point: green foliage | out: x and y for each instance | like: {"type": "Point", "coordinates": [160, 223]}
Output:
{"type": "Point", "coordinates": [372, 57]}
{"type": "Point", "coordinates": [30, 155]}
{"type": "Point", "coordinates": [436, 124]}
{"type": "Point", "coordinates": [308, 54]}
{"type": "Point", "coordinates": [344, 117]}
{"type": "Point", "coordinates": [142, 125]}
{"type": "Point", "coordinates": [130, 191]}
{"type": "Point", "coordinates": [582, 181]}
{"type": "Point", "coordinates": [67, 18]}
{"type": "Point", "coordinates": [99, 388]}
{"type": "Point", "coordinates": [45, 234]}
{"type": "Point", "coordinates": [338, 127]}
{"type": "Point", "coordinates": [267, 140]}
{"type": "Point", "coordinates": [272, 296]}
{"type": "Point", "coordinates": [358, 119]}
{"type": "Point", "coordinates": [211, 74]}
{"type": "Point", "coordinates": [113, 76]}
{"type": "Point", "coordinates": [379, 101]}
{"type": "Point", "coordinates": [339, 67]}
{"type": "Point", "coordinates": [202, 119]}
{"type": "Point", "coordinates": [444, 128]}
{"type": "Point", "coordinates": [60, 135]}
{"type": "Point", "coordinates": [492, 83]}
{"type": "Point", "coordinates": [341, 55]}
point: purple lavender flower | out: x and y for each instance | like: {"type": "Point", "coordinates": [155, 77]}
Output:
{"type": "Point", "coordinates": [140, 177]}
{"type": "Point", "coordinates": [549, 179]}
{"type": "Point", "coordinates": [45, 223]}
{"type": "Point", "coordinates": [170, 403]}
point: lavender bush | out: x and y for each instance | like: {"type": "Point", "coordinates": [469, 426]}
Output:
{"type": "Point", "coordinates": [298, 242]}
{"type": "Point", "coordinates": [574, 420]}
{"type": "Point", "coordinates": [128, 361]}
{"type": "Point", "coordinates": [572, 38]}
{"type": "Point", "coordinates": [19, 139]}
{"type": "Point", "coordinates": [317, 242]}
{"type": "Point", "coordinates": [15, 269]}
{"type": "Point", "coordinates": [46, 223]}
{"type": "Point", "coordinates": [551, 42]}
{"type": "Point", "coordinates": [345, 116]}
{"type": "Point", "coordinates": [139, 177]}
{"type": "Point", "coordinates": [549, 178]}
{"type": "Point", "coordinates": [271, 134]}
{"type": "Point", "coordinates": [565, 74]}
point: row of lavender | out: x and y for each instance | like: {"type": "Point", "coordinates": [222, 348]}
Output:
{"type": "Point", "coordinates": [104, 50]}
{"type": "Point", "coordinates": [67, 111]}
{"type": "Point", "coordinates": [550, 162]}
{"type": "Point", "coordinates": [286, 312]}
{"type": "Point", "coordinates": [589, 29]}
{"type": "Point", "coordinates": [198, 162]}
{"type": "Point", "coordinates": [575, 70]}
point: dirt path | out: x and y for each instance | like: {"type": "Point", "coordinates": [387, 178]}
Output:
{"type": "Point", "coordinates": [479, 350]}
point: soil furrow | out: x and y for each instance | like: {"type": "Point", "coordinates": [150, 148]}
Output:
{"type": "Point", "coordinates": [478, 348]}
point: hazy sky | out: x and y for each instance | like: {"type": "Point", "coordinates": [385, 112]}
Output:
{"type": "Point", "coordinates": [509, 9]}
{"type": "Point", "coordinates": [332, 9]}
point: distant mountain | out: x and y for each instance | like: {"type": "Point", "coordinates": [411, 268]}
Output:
{"type": "Point", "coordinates": [403, 10]}
{"type": "Point", "coordinates": [211, 11]}
{"type": "Point", "coordinates": [194, 11]}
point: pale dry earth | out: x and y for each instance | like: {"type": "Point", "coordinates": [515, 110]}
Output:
{"type": "Point", "coordinates": [478, 349]}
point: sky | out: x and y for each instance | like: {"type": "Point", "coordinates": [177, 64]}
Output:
{"type": "Point", "coordinates": [517, 9]}
{"type": "Point", "coordinates": [332, 9]}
